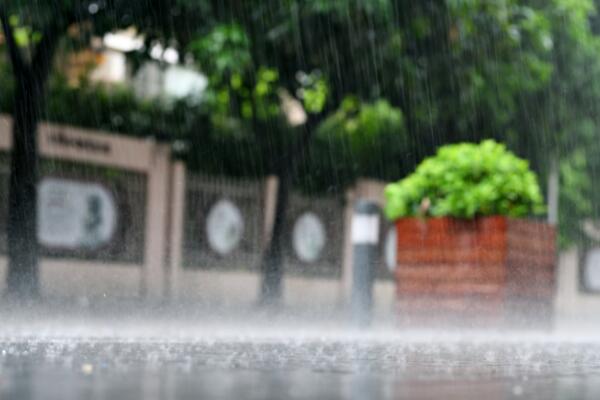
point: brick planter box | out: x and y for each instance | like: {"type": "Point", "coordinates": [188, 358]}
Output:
{"type": "Point", "coordinates": [491, 271]}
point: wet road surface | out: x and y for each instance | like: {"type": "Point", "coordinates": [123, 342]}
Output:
{"type": "Point", "coordinates": [286, 365]}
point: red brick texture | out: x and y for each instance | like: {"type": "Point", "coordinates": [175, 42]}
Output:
{"type": "Point", "coordinates": [493, 271]}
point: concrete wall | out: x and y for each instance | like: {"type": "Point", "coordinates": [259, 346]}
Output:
{"type": "Point", "coordinates": [237, 288]}
{"type": "Point", "coordinates": [161, 275]}
{"type": "Point", "coordinates": [574, 307]}
{"type": "Point", "coordinates": [78, 279]}
{"type": "Point", "coordinates": [242, 288]}
{"type": "Point", "coordinates": [384, 299]}
{"type": "Point", "coordinates": [81, 278]}
{"type": "Point", "coordinates": [316, 294]}
{"type": "Point", "coordinates": [63, 278]}
{"type": "Point", "coordinates": [223, 288]}
{"type": "Point", "coordinates": [60, 278]}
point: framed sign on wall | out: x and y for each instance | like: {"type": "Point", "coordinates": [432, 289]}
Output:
{"type": "Point", "coordinates": [314, 236]}
{"type": "Point", "coordinates": [74, 215]}
{"type": "Point", "coordinates": [224, 227]}
{"type": "Point", "coordinates": [308, 237]}
{"type": "Point", "coordinates": [223, 223]}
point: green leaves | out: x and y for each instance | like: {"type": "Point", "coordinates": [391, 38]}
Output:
{"type": "Point", "coordinates": [314, 91]}
{"type": "Point", "coordinates": [361, 123]}
{"type": "Point", "coordinates": [24, 35]}
{"type": "Point", "coordinates": [360, 139]}
{"type": "Point", "coordinates": [223, 52]}
{"type": "Point", "coordinates": [467, 180]}
{"type": "Point", "coordinates": [265, 93]}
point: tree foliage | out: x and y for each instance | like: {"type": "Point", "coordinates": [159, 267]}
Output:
{"type": "Point", "coordinates": [466, 181]}
{"type": "Point", "coordinates": [396, 78]}
{"type": "Point", "coordinates": [359, 139]}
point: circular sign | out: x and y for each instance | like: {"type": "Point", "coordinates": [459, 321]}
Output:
{"type": "Point", "coordinates": [224, 227]}
{"type": "Point", "coordinates": [390, 249]}
{"type": "Point", "coordinates": [75, 215]}
{"type": "Point", "coordinates": [308, 237]}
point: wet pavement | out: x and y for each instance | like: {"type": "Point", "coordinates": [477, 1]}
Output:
{"type": "Point", "coordinates": [181, 361]}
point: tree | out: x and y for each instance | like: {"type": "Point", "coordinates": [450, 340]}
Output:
{"type": "Point", "coordinates": [566, 115]}
{"type": "Point", "coordinates": [40, 26]}
{"type": "Point", "coordinates": [31, 74]}
{"type": "Point", "coordinates": [249, 98]}
{"type": "Point", "coordinates": [359, 139]}
{"type": "Point", "coordinates": [299, 46]}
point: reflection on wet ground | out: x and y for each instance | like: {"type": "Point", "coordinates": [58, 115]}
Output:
{"type": "Point", "coordinates": [229, 364]}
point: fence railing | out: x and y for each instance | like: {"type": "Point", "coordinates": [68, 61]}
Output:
{"type": "Point", "coordinates": [314, 236]}
{"type": "Point", "coordinates": [224, 223]}
{"type": "Point", "coordinates": [102, 205]}
{"type": "Point", "coordinates": [119, 218]}
{"type": "Point", "coordinates": [108, 203]}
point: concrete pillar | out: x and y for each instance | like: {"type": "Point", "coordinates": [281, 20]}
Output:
{"type": "Point", "coordinates": [5, 145]}
{"type": "Point", "coordinates": [371, 190]}
{"type": "Point", "coordinates": [154, 278]}
{"type": "Point", "coordinates": [176, 227]}
{"type": "Point", "coordinates": [270, 203]}
{"type": "Point", "coordinates": [553, 192]}
{"type": "Point", "coordinates": [346, 281]}
{"type": "Point", "coordinates": [3, 268]}
{"type": "Point", "coordinates": [5, 133]}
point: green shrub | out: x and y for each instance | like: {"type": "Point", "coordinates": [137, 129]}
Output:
{"type": "Point", "coordinates": [467, 180]}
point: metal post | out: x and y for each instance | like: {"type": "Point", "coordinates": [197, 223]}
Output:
{"type": "Point", "coordinates": [365, 237]}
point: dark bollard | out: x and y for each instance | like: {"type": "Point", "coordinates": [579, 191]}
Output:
{"type": "Point", "coordinates": [365, 237]}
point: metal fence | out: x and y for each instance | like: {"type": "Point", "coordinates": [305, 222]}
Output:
{"type": "Point", "coordinates": [119, 240]}
{"type": "Point", "coordinates": [223, 223]}
{"type": "Point", "coordinates": [126, 213]}
{"type": "Point", "coordinates": [315, 236]}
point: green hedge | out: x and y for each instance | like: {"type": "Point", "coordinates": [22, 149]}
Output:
{"type": "Point", "coordinates": [467, 180]}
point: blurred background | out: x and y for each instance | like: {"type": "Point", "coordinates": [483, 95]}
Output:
{"type": "Point", "coordinates": [212, 150]}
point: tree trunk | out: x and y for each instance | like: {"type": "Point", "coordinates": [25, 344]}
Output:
{"type": "Point", "coordinates": [22, 279]}
{"type": "Point", "coordinates": [272, 265]}
{"type": "Point", "coordinates": [30, 77]}
{"type": "Point", "coordinates": [272, 262]}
